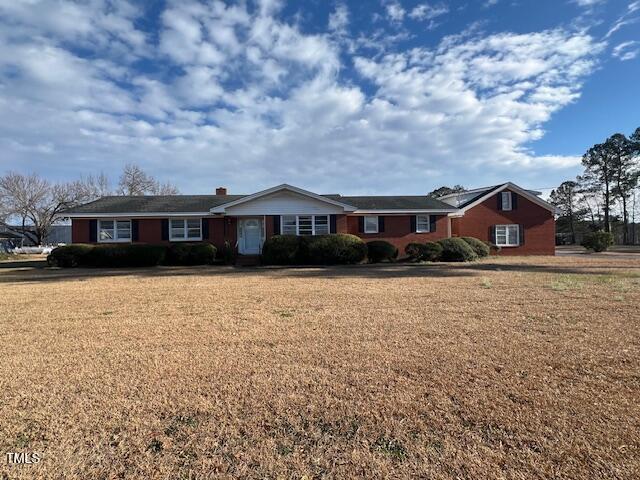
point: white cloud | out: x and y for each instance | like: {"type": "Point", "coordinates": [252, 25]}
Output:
{"type": "Point", "coordinates": [587, 3]}
{"type": "Point", "coordinates": [241, 97]}
{"type": "Point", "coordinates": [424, 11]}
{"type": "Point", "coordinates": [395, 12]}
{"type": "Point", "coordinates": [627, 50]}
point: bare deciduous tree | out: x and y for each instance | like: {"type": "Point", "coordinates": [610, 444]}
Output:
{"type": "Point", "coordinates": [38, 203]}
{"type": "Point", "coordinates": [135, 181]}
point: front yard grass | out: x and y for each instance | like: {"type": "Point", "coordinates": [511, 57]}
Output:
{"type": "Point", "coordinates": [505, 368]}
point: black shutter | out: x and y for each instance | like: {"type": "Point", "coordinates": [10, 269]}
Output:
{"type": "Point", "coordinates": [135, 230]}
{"type": "Point", "coordinates": [432, 223]}
{"type": "Point", "coordinates": [332, 224]}
{"type": "Point", "coordinates": [499, 200]}
{"type": "Point", "coordinates": [165, 229]}
{"type": "Point", "coordinates": [276, 225]}
{"type": "Point", "coordinates": [412, 223]}
{"type": "Point", "coordinates": [492, 234]}
{"type": "Point", "coordinates": [514, 201]}
{"type": "Point", "coordinates": [380, 224]}
{"type": "Point", "coordinates": [361, 224]}
{"type": "Point", "coordinates": [205, 228]}
{"type": "Point", "coordinates": [93, 231]}
{"type": "Point", "coordinates": [521, 227]}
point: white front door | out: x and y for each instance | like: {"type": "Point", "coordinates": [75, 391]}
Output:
{"type": "Point", "coordinates": [250, 236]}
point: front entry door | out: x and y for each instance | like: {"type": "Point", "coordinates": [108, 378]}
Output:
{"type": "Point", "coordinates": [250, 236]}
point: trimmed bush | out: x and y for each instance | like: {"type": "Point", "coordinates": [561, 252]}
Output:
{"type": "Point", "coordinates": [69, 256]}
{"type": "Point", "coordinates": [335, 249]}
{"type": "Point", "coordinates": [379, 251]}
{"type": "Point", "coordinates": [433, 251]}
{"type": "Point", "coordinates": [456, 250]}
{"type": "Point", "coordinates": [191, 254]}
{"type": "Point", "coordinates": [481, 248]}
{"type": "Point", "coordinates": [227, 254]}
{"type": "Point", "coordinates": [283, 250]}
{"type": "Point", "coordinates": [423, 252]}
{"type": "Point", "coordinates": [128, 255]}
{"type": "Point", "coordinates": [598, 241]}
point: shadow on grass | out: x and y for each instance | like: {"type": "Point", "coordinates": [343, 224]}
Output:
{"type": "Point", "coordinates": [35, 271]}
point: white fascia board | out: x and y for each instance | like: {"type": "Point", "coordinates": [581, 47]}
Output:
{"type": "Point", "coordinates": [403, 212]}
{"type": "Point", "coordinates": [278, 188]}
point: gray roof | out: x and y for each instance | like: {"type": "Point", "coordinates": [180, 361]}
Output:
{"type": "Point", "coordinates": [154, 203]}
{"type": "Point", "coordinates": [480, 195]}
{"type": "Point", "coordinates": [395, 202]}
{"type": "Point", "coordinates": [203, 203]}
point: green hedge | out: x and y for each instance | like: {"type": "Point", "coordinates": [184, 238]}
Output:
{"type": "Point", "coordinates": [480, 247]}
{"type": "Point", "coordinates": [456, 250]}
{"type": "Point", "coordinates": [334, 249]}
{"type": "Point", "coordinates": [191, 254]}
{"type": "Point", "coordinates": [423, 252]}
{"type": "Point", "coordinates": [131, 255]}
{"type": "Point", "coordinates": [380, 251]}
{"type": "Point", "coordinates": [598, 241]}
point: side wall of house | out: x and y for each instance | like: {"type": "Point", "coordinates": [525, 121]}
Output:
{"type": "Point", "coordinates": [538, 222]}
{"type": "Point", "coordinates": [397, 230]}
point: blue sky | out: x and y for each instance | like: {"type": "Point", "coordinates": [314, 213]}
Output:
{"type": "Point", "coordinates": [382, 97]}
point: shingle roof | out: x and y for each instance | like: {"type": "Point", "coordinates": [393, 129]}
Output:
{"type": "Point", "coordinates": [203, 203]}
{"type": "Point", "coordinates": [154, 203]}
{"type": "Point", "coordinates": [395, 202]}
{"type": "Point", "coordinates": [481, 194]}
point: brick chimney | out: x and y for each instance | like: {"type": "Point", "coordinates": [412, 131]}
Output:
{"type": "Point", "coordinates": [221, 191]}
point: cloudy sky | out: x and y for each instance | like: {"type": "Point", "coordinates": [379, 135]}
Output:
{"type": "Point", "coordinates": [383, 97]}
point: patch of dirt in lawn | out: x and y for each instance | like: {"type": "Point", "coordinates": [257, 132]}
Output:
{"type": "Point", "coordinates": [506, 368]}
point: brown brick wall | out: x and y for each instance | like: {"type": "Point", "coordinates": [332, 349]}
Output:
{"type": "Point", "coordinates": [80, 230]}
{"type": "Point", "coordinates": [539, 225]}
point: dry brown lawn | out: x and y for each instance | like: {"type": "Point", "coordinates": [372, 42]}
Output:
{"type": "Point", "coordinates": [508, 368]}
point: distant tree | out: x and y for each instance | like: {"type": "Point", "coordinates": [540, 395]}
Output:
{"type": "Point", "coordinates": [566, 199]}
{"type": "Point", "coordinates": [37, 202]}
{"type": "Point", "coordinates": [599, 163]}
{"type": "Point", "coordinates": [625, 174]}
{"type": "Point", "coordinates": [440, 192]}
{"type": "Point", "coordinates": [135, 181]}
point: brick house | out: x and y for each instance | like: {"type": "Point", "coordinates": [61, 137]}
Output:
{"type": "Point", "coordinates": [506, 215]}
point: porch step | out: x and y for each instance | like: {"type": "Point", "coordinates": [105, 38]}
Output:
{"type": "Point", "coordinates": [247, 260]}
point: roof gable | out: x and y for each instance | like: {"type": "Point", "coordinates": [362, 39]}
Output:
{"type": "Point", "coordinates": [499, 188]}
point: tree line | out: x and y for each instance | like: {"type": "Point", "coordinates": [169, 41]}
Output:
{"type": "Point", "coordinates": [30, 205]}
{"type": "Point", "coordinates": [605, 196]}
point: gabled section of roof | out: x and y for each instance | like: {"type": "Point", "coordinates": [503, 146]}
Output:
{"type": "Point", "coordinates": [284, 187]}
{"type": "Point", "coordinates": [490, 191]}
{"type": "Point", "coordinates": [398, 204]}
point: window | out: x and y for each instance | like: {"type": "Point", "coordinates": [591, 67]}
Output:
{"type": "Point", "coordinates": [423, 224]}
{"type": "Point", "coordinates": [185, 229]}
{"type": "Point", "coordinates": [304, 224]}
{"type": "Point", "coordinates": [370, 224]}
{"type": "Point", "coordinates": [506, 200]}
{"type": "Point", "coordinates": [114, 231]}
{"type": "Point", "coordinates": [507, 235]}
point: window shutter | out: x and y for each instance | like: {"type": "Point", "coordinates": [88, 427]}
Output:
{"type": "Point", "coordinates": [205, 228]}
{"type": "Point", "coordinates": [332, 224]}
{"type": "Point", "coordinates": [135, 230]}
{"type": "Point", "coordinates": [380, 224]}
{"type": "Point", "coordinates": [276, 225]}
{"type": "Point", "coordinates": [432, 223]}
{"type": "Point", "coordinates": [361, 224]}
{"type": "Point", "coordinates": [412, 222]}
{"type": "Point", "coordinates": [514, 201]}
{"type": "Point", "coordinates": [165, 229]}
{"type": "Point", "coordinates": [521, 234]}
{"type": "Point", "coordinates": [499, 200]}
{"type": "Point", "coordinates": [492, 234]}
{"type": "Point", "coordinates": [93, 230]}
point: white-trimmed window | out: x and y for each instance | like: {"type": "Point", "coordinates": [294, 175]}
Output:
{"type": "Point", "coordinates": [507, 235]}
{"type": "Point", "coordinates": [507, 203]}
{"type": "Point", "coordinates": [423, 223]}
{"type": "Point", "coordinates": [114, 231]}
{"type": "Point", "coordinates": [304, 224]}
{"type": "Point", "coordinates": [182, 229]}
{"type": "Point", "coordinates": [371, 224]}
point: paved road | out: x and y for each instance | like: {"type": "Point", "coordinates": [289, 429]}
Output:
{"type": "Point", "coordinates": [615, 252]}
